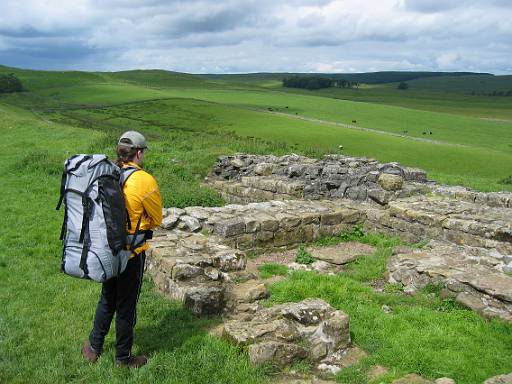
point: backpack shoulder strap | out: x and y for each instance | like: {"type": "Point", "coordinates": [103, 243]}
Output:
{"type": "Point", "coordinates": [126, 173]}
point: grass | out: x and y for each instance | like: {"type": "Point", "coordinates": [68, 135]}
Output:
{"type": "Point", "coordinates": [47, 315]}
{"type": "Point", "coordinates": [423, 334]}
{"type": "Point", "coordinates": [304, 257]}
{"type": "Point", "coordinates": [271, 269]}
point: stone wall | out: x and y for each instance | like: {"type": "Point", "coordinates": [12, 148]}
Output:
{"type": "Point", "coordinates": [271, 224]}
{"type": "Point", "coordinates": [459, 222]}
{"type": "Point", "coordinates": [198, 256]}
{"type": "Point", "coordinates": [246, 178]}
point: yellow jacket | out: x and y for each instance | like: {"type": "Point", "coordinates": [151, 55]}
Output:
{"type": "Point", "coordinates": [142, 198]}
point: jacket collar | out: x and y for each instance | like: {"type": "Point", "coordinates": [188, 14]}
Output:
{"type": "Point", "coordinates": [131, 164]}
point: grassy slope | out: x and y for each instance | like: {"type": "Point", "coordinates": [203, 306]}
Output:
{"type": "Point", "coordinates": [45, 320]}
{"type": "Point", "coordinates": [46, 316]}
{"type": "Point", "coordinates": [437, 94]}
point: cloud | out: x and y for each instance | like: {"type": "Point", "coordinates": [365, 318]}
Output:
{"type": "Point", "coordinates": [265, 35]}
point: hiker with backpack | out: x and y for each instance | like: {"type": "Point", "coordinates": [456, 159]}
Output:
{"type": "Point", "coordinates": [120, 293]}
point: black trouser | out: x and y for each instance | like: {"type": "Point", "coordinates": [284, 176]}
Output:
{"type": "Point", "coordinates": [119, 295]}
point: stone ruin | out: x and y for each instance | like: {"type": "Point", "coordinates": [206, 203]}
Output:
{"type": "Point", "coordinates": [200, 254]}
{"type": "Point", "coordinates": [248, 178]}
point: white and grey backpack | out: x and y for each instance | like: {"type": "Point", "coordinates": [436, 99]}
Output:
{"type": "Point", "coordinates": [95, 241]}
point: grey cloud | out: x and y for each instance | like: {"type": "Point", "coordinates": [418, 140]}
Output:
{"type": "Point", "coordinates": [434, 6]}
{"type": "Point", "coordinates": [265, 35]}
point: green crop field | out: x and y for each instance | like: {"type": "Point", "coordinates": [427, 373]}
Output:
{"type": "Point", "coordinates": [189, 121]}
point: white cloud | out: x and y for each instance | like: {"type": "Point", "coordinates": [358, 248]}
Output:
{"type": "Point", "coordinates": [264, 35]}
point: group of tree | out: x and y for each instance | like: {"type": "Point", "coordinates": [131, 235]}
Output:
{"type": "Point", "coordinates": [403, 85]}
{"type": "Point", "coordinates": [317, 82]}
{"type": "Point", "coordinates": [10, 83]}
{"type": "Point", "coordinates": [493, 93]}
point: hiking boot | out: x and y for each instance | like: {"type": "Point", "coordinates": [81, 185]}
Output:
{"type": "Point", "coordinates": [88, 353]}
{"type": "Point", "coordinates": [133, 362]}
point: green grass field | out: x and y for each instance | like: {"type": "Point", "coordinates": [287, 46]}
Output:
{"type": "Point", "coordinates": [189, 121]}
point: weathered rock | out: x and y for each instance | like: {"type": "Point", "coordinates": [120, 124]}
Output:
{"type": "Point", "coordinates": [257, 178]}
{"type": "Point", "coordinates": [376, 371]}
{"type": "Point", "coordinates": [248, 292]}
{"type": "Point", "coordinates": [444, 380]}
{"type": "Point", "coordinates": [342, 253]}
{"type": "Point", "coordinates": [500, 379]}
{"type": "Point", "coordinates": [274, 352]}
{"type": "Point", "coordinates": [332, 335]}
{"type": "Point", "coordinates": [169, 222]}
{"type": "Point", "coordinates": [250, 332]}
{"type": "Point", "coordinates": [263, 169]}
{"type": "Point", "coordinates": [390, 182]}
{"type": "Point", "coordinates": [204, 301]}
{"type": "Point", "coordinates": [477, 286]}
{"type": "Point", "coordinates": [189, 223]}
{"type": "Point", "coordinates": [412, 379]}
{"type": "Point", "coordinates": [185, 272]}
{"type": "Point", "coordinates": [230, 227]}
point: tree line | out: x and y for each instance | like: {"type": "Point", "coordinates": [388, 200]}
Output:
{"type": "Point", "coordinates": [493, 93]}
{"type": "Point", "coordinates": [10, 83]}
{"type": "Point", "coordinates": [317, 82]}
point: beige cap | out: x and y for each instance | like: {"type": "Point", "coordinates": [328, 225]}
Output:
{"type": "Point", "coordinates": [132, 139]}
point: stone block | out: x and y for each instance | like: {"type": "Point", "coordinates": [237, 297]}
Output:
{"type": "Point", "coordinates": [204, 301]}
{"type": "Point", "coordinates": [230, 227]}
{"type": "Point", "coordinates": [189, 223]}
{"type": "Point", "coordinates": [390, 182]}
{"type": "Point", "coordinates": [263, 169]}
{"type": "Point", "coordinates": [185, 272]}
{"type": "Point", "coordinates": [251, 224]}
{"type": "Point", "coordinates": [245, 241]}
{"type": "Point", "coordinates": [276, 353]}
{"type": "Point", "coordinates": [264, 238]}
{"type": "Point", "coordinates": [287, 220]}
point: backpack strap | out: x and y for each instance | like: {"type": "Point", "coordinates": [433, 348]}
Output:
{"type": "Point", "coordinates": [65, 174]}
{"type": "Point", "coordinates": [84, 232]}
{"type": "Point", "coordinates": [125, 174]}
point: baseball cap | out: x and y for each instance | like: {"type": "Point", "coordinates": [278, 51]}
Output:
{"type": "Point", "coordinates": [133, 139]}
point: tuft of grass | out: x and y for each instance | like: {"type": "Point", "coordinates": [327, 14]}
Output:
{"type": "Point", "coordinates": [303, 256]}
{"type": "Point", "coordinates": [506, 181]}
{"type": "Point", "coordinates": [271, 269]}
{"type": "Point", "coordinates": [357, 234]}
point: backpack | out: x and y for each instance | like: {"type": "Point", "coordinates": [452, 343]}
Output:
{"type": "Point", "coordinates": [95, 242]}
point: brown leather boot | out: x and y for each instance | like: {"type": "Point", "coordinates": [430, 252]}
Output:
{"type": "Point", "coordinates": [133, 362]}
{"type": "Point", "coordinates": [88, 353]}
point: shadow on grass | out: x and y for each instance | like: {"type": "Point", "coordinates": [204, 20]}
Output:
{"type": "Point", "coordinates": [167, 328]}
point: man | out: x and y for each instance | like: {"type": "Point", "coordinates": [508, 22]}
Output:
{"type": "Point", "coordinates": [119, 295]}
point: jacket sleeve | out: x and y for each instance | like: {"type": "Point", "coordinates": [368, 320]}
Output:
{"type": "Point", "coordinates": [152, 204]}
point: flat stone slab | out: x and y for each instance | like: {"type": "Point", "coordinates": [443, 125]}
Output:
{"type": "Point", "coordinates": [501, 379]}
{"type": "Point", "coordinates": [412, 379]}
{"type": "Point", "coordinates": [477, 286]}
{"type": "Point", "coordinates": [342, 253]}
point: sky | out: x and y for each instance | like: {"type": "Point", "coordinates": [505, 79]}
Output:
{"type": "Point", "coordinates": [228, 36]}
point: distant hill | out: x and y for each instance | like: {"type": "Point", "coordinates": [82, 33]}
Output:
{"type": "Point", "coordinates": [36, 79]}
{"type": "Point", "coordinates": [157, 78]}
{"type": "Point", "coordinates": [367, 77]}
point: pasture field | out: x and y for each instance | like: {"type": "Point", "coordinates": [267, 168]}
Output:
{"type": "Point", "coordinates": [46, 315]}
{"type": "Point", "coordinates": [447, 94]}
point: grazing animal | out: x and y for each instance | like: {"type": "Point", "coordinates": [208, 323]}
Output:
{"type": "Point", "coordinates": [423, 133]}
{"type": "Point", "coordinates": [354, 121]}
